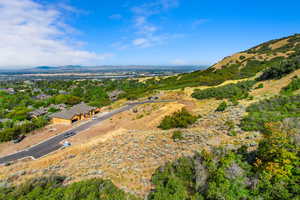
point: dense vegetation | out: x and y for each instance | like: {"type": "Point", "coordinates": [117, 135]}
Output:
{"type": "Point", "coordinates": [222, 107]}
{"type": "Point", "coordinates": [16, 106]}
{"type": "Point", "coordinates": [51, 188]}
{"type": "Point", "coordinates": [291, 45]}
{"type": "Point", "coordinates": [270, 172]}
{"type": "Point", "coordinates": [180, 119]}
{"type": "Point", "coordinates": [294, 85]}
{"type": "Point", "coordinates": [280, 69]}
{"type": "Point", "coordinates": [229, 91]}
{"type": "Point", "coordinates": [271, 110]}
{"type": "Point", "coordinates": [10, 131]}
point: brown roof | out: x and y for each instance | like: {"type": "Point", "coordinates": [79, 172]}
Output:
{"type": "Point", "coordinates": [78, 109]}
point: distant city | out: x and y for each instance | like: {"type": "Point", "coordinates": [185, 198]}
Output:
{"type": "Point", "coordinates": [100, 72]}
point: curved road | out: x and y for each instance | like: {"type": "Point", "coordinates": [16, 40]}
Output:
{"type": "Point", "coordinates": [54, 143]}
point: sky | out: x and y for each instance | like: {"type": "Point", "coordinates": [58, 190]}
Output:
{"type": "Point", "coordinates": [137, 32]}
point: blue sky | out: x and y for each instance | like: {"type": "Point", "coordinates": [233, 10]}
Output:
{"type": "Point", "coordinates": [154, 32]}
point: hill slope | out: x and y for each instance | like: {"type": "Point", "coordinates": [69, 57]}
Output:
{"type": "Point", "coordinates": [247, 150]}
{"type": "Point", "coordinates": [244, 64]}
{"type": "Point", "coordinates": [286, 47]}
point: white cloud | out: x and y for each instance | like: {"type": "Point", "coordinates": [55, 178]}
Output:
{"type": "Point", "coordinates": [154, 7]}
{"type": "Point", "coordinates": [140, 42]}
{"type": "Point", "coordinates": [147, 34]}
{"type": "Point", "coordinates": [167, 4]}
{"type": "Point", "coordinates": [32, 34]}
{"type": "Point", "coordinates": [178, 61]}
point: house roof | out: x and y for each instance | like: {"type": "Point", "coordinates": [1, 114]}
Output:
{"type": "Point", "coordinates": [38, 112]}
{"type": "Point", "coordinates": [81, 108]}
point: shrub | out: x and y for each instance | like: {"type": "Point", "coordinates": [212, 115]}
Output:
{"type": "Point", "coordinates": [270, 110]}
{"type": "Point", "coordinates": [222, 107]}
{"type": "Point", "coordinates": [13, 132]}
{"type": "Point", "coordinates": [292, 86]}
{"type": "Point", "coordinates": [237, 91]}
{"type": "Point", "coordinates": [280, 69]}
{"type": "Point", "coordinates": [250, 97]}
{"type": "Point", "coordinates": [225, 174]}
{"type": "Point", "coordinates": [53, 188]}
{"type": "Point", "coordinates": [230, 125]}
{"type": "Point", "coordinates": [234, 101]}
{"type": "Point", "coordinates": [180, 119]}
{"type": "Point", "coordinates": [242, 57]}
{"type": "Point", "coordinates": [173, 180]}
{"type": "Point", "coordinates": [232, 133]}
{"type": "Point", "coordinates": [261, 85]}
{"type": "Point", "coordinates": [177, 135]}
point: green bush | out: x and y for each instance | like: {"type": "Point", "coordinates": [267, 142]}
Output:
{"type": "Point", "coordinates": [234, 101]}
{"type": "Point", "coordinates": [280, 69]}
{"type": "Point", "coordinates": [173, 180]}
{"type": "Point", "coordinates": [222, 107]}
{"type": "Point", "coordinates": [223, 174]}
{"type": "Point", "coordinates": [180, 119]}
{"type": "Point", "coordinates": [270, 110]}
{"type": "Point", "coordinates": [53, 188]}
{"type": "Point", "coordinates": [242, 57]}
{"type": "Point", "coordinates": [236, 91]}
{"type": "Point", "coordinates": [177, 135]}
{"type": "Point", "coordinates": [261, 85]}
{"type": "Point", "coordinates": [13, 132]}
{"type": "Point", "coordinates": [230, 124]}
{"type": "Point", "coordinates": [292, 86]}
{"type": "Point", "coordinates": [232, 133]}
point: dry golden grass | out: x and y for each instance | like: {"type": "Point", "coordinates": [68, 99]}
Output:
{"type": "Point", "coordinates": [232, 59]}
{"type": "Point", "coordinates": [273, 87]}
{"type": "Point", "coordinates": [189, 90]}
{"type": "Point", "coordinates": [279, 44]}
{"type": "Point", "coordinates": [235, 58]}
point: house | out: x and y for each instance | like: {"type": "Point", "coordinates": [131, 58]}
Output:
{"type": "Point", "coordinates": [113, 96]}
{"type": "Point", "coordinates": [78, 112]}
{"type": "Point", "coordinates": [59, 106]}
{"type": "Point", "coordinates": [38, 112]}
{"type": "Point", "coordinates": [36, 90]}
{"type": "Point", "coordinates": [63, 92]}
{"type": "Point", "coordinates": [4, 120]}
{"type": "Point", "coordinates": [8, 90]}
{"type": "Point", "coordinates": [42, 97]}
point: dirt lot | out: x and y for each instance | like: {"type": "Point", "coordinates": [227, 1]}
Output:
{"type": "Point", "coordinates": [143, 117]}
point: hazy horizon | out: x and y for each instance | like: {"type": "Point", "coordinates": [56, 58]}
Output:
{"type": "Point", "coordinates": [157, 32]}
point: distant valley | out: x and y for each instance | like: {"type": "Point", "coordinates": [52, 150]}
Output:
{"type": "Point", "coordinates": [93, 72]}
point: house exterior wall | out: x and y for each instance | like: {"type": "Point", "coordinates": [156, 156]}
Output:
{"type": "Point", "coordinates": [75, 118]}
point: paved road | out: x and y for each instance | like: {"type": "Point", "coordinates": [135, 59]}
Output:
{"type": "Point", "coordinates": [54, 143]}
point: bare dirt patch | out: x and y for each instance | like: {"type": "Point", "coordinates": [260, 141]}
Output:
{"type": "Point", "coordinates": [273, 87]}
{"type": "Point", "coordinates": [142, 117]}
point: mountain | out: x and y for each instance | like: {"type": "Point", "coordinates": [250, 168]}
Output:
{"type": "Point", "coordinates": [282, 48]}
{"type": "Point", "coordinates": [58, 68]}
{"type": "Point", "coordinates": [110, 68]}
{"type": "Point", "coordinates": [46, 68]}
{"type": "Point", "coordinates": [244, 64]}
